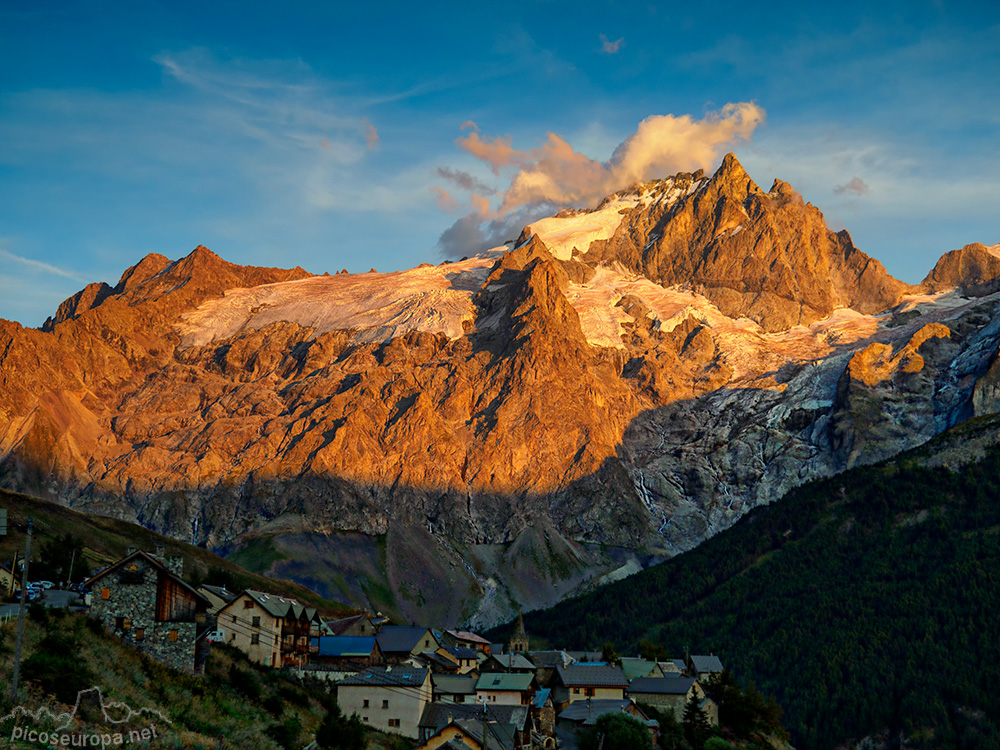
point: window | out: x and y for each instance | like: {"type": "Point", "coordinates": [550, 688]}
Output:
{"type": "Point", "coordinates": [172, 636]}
{"type": "Point", "coordinates": [255, 622]}
{"type": "Point", "coordinates": [255, 639]}
{"type": "Point", "coordinates": [234, 619]}
{"type": "Point", "coordinates": [105, 593]}
{"type": "Point", "coordinates": [365, 704]}
{"type": "Point", "coordinates": [248, 604]}
{"type": "Point", "coordinates": [576, 691]}
{"type": "Point", "coordinates": [385, 704]}
{"type": "Point", "coordinates": [119, 623]}
{"type": "Point", "coordinates": [589, 692]}
{"type": "Point", "coordinates": [364, 719]}
{"type": "Point", "coordinates": [140, 634]}
{"type": "Point", "coordinates": [393, 722]}
{"type": "Point", "coordinates": [459, 699]}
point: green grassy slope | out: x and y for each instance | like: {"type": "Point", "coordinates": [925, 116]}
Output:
{"type": "Point", "coordinates": [235, 704]}
{"type": "Point", "coordinates": [106, 539]}
{"type": "Point", "coordinates": [867, 603]}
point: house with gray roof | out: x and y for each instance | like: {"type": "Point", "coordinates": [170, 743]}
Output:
{"type": "Point", "coordinates": [507, 663]}
{"type": "Point", "coordinates": [390, 699]}
{"type": "Point", "coordinates": [454, 688]}
{"type": "Point", "coordinates": [272, 630]}
{"type": "Point", "coordinates": [576, 682]}
{"type": "Point", "coordinates": [704, 667]}
{"type": "Point", "coordinates": [472, 734]}
{"type": "Point", "coordinates": [438, 715]}
{"type": "Point", "coordinates": [669, 694]}
{"type": "Point", "coordinates": [515, 689]}
{"type": "Point", "coordinates": [400, 642]}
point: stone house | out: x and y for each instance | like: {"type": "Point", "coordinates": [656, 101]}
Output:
{"type": "Point", "coordinates": [390, 699]}
{"type": "Point", "coordinates": [575, 683]}
{"type": "Point", "coordinates": [143, 600]}
{"type": "Point", "coordinates": [272, 630]}
{"type": "Point", "coordinates": [669, 694]}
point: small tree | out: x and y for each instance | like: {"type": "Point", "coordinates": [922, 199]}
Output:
{"type": "Point", "coordinates": [696, 727]}
{"type": "Point", "coordinates": [338, 732]}
{"type": "Point", "coordinates": [609, 654]}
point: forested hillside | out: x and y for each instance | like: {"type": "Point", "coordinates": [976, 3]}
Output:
{"type": "Point", "coordinates": [866, 603]}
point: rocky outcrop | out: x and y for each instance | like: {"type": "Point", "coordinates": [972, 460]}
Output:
{"type": "Point", "coordinates": [764, 256]}
{"type": "Point", "coordinates": [973, 269]}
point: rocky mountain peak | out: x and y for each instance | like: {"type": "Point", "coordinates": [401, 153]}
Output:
{"type": "Point", "coordinates": [764, 256]}
{"type": "Point", "coordinates": [972, 268]}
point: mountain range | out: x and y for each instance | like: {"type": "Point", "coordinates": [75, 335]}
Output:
{"type": "Point", "coordinates": [458, 441]}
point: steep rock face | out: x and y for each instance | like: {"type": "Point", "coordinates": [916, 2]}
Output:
{"type": "Point", "coordinates": [764, 256]}
{"type": "Point", "coordinates": [969, 269]}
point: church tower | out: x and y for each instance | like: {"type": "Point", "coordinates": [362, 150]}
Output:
{"type": "Point", "coordinates": [519, 639]}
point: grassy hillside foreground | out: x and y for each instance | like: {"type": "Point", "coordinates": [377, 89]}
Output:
{"type": "Point", "coordinates": [866, 603]}
{"type": "Point", "coordinates": [235, 704]}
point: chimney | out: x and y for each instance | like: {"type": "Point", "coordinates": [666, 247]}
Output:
{"type": "Point", "coordinates": [175, 564]}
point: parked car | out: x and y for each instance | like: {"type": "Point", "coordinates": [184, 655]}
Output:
{"type": "Point", "coordinates": [32, 595]}
{"type": "Point", "coordinates": [46, 584]}
{"type": "Point", "coordinates": [216, 636]}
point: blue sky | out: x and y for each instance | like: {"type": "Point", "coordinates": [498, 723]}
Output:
{"type": "Point", "coordinates": [315, 134]}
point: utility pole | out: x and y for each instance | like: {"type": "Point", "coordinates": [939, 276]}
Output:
{"type": "Point", "coordinates": [72, 559]}
{"type": "Point", "coordinates": [20, 612]}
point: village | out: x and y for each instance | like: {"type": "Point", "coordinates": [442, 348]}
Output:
{"type": "Point", "coordinates": [440, 688]}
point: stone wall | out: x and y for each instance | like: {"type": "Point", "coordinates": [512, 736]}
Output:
{"type": "Point", "coordinates": [132, 597]}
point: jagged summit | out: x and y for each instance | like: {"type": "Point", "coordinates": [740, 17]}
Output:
{"type": "Point", "coordinates": [764, 256]}
{"type": "Point", "coordinates": [973, 268]}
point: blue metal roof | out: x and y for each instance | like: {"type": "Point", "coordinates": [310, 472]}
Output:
{"type": "Point", "coordinates": [345, 645]}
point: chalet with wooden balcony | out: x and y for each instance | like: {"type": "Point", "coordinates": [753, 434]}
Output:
{"type": "Point", "coordinates": [272, 630]}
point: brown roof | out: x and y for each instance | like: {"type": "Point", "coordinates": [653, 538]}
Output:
{"type": "Point", "coordinates": [157, 564]}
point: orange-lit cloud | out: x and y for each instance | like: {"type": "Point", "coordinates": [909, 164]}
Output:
{"type": "Point", "coordinates": [856, 186]}
{"type": "Point", "coordinates": [371, 136]}
{"type": "Point", "coordinates": [610, 47]}
{"type": "Point", "coordinates": [480, 205]}
{"type": "Point", "coordinates": [555, 174]}
{"type": "Point", "coordinates": [497, 152]}
{"type": "Point", "coordinates": [469, 124]}
{"type": "Point", "coordinates": [445, 200]}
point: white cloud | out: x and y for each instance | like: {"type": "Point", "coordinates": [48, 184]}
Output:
{"type": "Point", "coordinates": [40, 266]}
